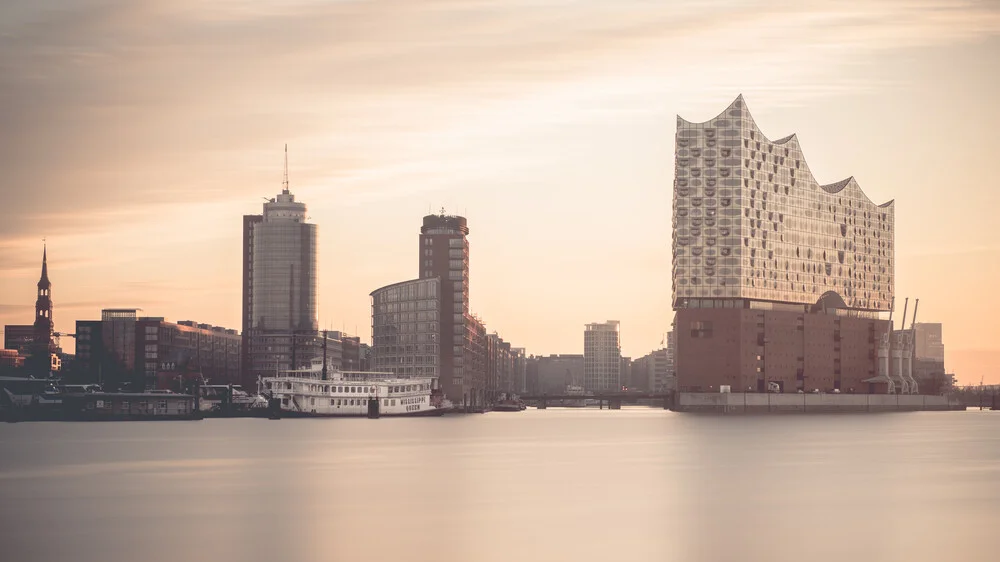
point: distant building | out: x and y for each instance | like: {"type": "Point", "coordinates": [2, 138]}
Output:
{"type": "Point", "coordinates": [10, 359]}
{"type": "Point", "coordinates": [551, 374]}
{"type": "Point", "coordinates": [350, 350]}
{"type": "Point", "coordinates": [19, 337]}
{"type": "Point", "coordinates": [365, 357]}
{"type": "Point", "coordinates": [653, 372]}
{"type": "Point", "coordinates": [520, 370]}
{"type": "Point", "coordinates": [501, 366]}
{"type": "Point", "coordinates": [280, 327]}
{"type": "Point", "coordinates": [602, 357]}
{"type": "Point", "coordinates": [927, 359]}
{"type": "Point", "coordinates": [127, 351]}
{"type": "Point", "coordinates": [641, 376]}
{"type": "Point", "coordinates": [929, 345]}
{"type": "Point", "coordinates": [625, 372]}
{"type": "Point", "coordinates": [776, 278]}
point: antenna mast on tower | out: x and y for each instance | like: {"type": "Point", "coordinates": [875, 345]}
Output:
{"type": "Point", "coordinates": [284, 183]}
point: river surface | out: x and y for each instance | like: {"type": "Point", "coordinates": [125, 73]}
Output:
{"type": "Point", "coordinates": [559, 484]}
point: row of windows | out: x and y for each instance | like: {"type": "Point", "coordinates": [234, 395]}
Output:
{"type": "Point", "coordinates": [339, 402]}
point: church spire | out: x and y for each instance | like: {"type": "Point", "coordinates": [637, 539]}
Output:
{"type": "Point", "coordinates": [43, 282]}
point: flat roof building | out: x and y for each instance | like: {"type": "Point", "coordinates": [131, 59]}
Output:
{"type": "Point", "coordinates": [602, 357]}
{"type": "Point", "coordinates": [126, 351]}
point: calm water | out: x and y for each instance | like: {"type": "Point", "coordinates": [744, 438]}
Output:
{"type": "Point", "coordinates": [637, 484]}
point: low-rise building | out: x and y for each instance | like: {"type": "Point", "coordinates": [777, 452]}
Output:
{"type": "Point", "coordinates": [124, 350]}
{"type": "Point", "coordinates": [551, 374]}
{"type": "Point", "coordinates": [11, 359]}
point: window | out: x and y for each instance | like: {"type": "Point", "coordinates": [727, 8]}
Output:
{"type": "Point", "coordinates": [701, 329]}
{"type": "Point", "coordinates": [162, 404]}
{"type": "Point", "coordinates": [125, 404]}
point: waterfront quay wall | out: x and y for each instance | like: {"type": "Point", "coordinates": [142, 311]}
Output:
{"type": "Point", "coordinates": [764, 403]}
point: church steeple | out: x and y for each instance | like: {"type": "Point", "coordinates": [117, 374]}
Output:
{"type": "Point", "coordinates": [43, 310]}
{"type": "Point", "coordinates": [43, 282]}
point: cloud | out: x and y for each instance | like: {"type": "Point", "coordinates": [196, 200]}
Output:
{"type": "Point", "coordinates": [138, 131]}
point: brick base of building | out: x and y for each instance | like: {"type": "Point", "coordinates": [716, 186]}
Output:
{"type": "Point", "coordinates": [751, 350]}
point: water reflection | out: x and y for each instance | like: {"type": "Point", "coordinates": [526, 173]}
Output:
{"type": "Point", "coordinates": [636, 484]}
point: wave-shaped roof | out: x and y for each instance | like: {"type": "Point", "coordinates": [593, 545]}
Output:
{"type": "Point", "coordinates": [738, 108]}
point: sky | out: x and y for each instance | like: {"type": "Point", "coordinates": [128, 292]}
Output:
{"type": "Point", "coordinates": [135, 134]}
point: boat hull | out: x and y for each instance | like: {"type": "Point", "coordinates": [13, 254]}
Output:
{"type": "Point", "coordinates": [417, 414]}
{"type": "Point", "coordinates": [507, 408]}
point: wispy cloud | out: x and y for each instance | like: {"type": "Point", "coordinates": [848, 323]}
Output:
{"type": "Point", "coordinates": [136, 132]}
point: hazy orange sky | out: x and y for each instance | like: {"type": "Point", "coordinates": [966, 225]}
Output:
{"type": "Point", "coordinates": [134, 135]}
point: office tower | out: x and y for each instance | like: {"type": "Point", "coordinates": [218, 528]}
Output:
{"type": "Point", "coordinates": [279, 287]}
{"type": "Point", "coordinates": [778, 281]}
{"type": "Point", "coordinates": [444, 254]}
{"type": "Point", "coordinates": [602, 357]}
{"type": "Point", "coordinates": [430, 314]}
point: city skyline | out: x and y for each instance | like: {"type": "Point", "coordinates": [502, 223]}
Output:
{"type": "Point", "coordinates": [140, 186]}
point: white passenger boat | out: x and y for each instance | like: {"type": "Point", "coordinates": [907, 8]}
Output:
{"type": "Point", "coordinates": [305, 392]}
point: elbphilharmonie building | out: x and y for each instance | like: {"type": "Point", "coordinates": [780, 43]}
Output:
{"type": "Point", "coordinates": [777, 279]}
{"type": "Point", "coordinates": [751, 222]}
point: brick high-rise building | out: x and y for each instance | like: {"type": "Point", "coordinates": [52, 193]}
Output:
{"type": "Point", "coordinates": [444, 253]}
{"type": "Point", "coordinates": [777, 280]}
{"type": "Point", "coordinates": [423, 327]}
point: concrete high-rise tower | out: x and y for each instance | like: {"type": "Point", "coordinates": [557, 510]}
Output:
{"type": "Point", "coordinates": [279, 286]}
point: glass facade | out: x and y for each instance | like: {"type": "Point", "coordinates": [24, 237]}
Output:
{"type": "Point", "coordinates": [751, 222]}
{"type": "Point", "coordinates": [405, 328]}
{"type": "Point", "coordinates": [284, 268]}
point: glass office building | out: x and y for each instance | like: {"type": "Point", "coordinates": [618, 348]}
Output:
{"type": "Point", "coordinates": [284, 267]}
{"type": "Point", "coordinates": [280, 326]}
